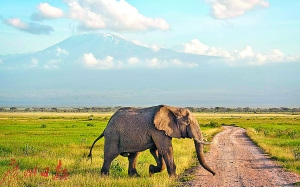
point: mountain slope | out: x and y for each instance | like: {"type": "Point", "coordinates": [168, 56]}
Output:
{"type": "Point", "coordinates": [71, 53]}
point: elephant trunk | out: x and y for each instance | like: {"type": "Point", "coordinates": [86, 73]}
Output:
{"type": "Point", "coordinates": [200, 156]}
{"type": "Point", "coordinates": [197, 136]}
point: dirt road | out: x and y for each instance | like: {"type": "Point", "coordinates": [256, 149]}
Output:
{"type": "Point", "coordinates": [238, 162]}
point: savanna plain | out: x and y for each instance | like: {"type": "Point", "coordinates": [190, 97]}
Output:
{"type": "Point", "coordinates": [50, 149]}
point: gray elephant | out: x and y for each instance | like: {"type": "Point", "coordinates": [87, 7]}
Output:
{"type": "Point", "coordinates": [132, 130]}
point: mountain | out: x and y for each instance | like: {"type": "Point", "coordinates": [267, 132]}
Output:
{"type": "Point", "coordinates": [108, 70]}
{"type": "Point", "coordinates": [75, 51]}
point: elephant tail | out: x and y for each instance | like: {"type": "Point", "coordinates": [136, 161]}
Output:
{"type": "Point", "coordinates": [90, 155]}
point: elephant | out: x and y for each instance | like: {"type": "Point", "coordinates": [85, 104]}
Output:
{"type": "Point", "coordinates": [133, 130]}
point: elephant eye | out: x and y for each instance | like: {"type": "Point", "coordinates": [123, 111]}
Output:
{"type": "Point", "coordinates": [189, 121]}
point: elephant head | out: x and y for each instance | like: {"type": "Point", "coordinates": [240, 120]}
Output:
{"type": "Point", "coordinates": [181, 123]}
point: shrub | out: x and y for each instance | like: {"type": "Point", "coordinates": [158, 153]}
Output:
{"type": "Point", "coordinates": [117, 167]}
{"type": "Point", "coordinates": [266, 132]}
{"type": "Point", "coordinates": [293, 133]}
{"type": "Point", "coordinates": [213, 124]}
{"type": "Point", "coordinates": [296, 153]}
{"type": "Point", "coordinates": [43, 126]}
{"type": "Point", "coordinates": [90, 125]}
{"type": "Point", "coordinates": [91, 117]}
{"type": "Point", "coordinates": [4, 150]}
{"type": "Point", "coordinates": [29, 150]}
{"type": "Point", "coordinates": [83, 140]}
{"type": "Point", "coordinates": [258, 129]}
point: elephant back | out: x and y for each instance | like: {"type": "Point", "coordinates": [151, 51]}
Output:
{"type": "Point", "coordinates": [133, 119]}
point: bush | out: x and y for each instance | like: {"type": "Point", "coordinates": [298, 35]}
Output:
{"type": "Point", "coordinates": [43, 126]}
{"type": "Point", "coordinates": [4, 150]}
{"type": "Point", "coordinates": [266, 132]}
{"type": "Point", "coordinates": [296, 153]}
{"type": "Point", "coordinates": [90, 125]}
{"type": "Point", "coordinates": [213, 124]}
{"type": "Point", "coordinates": [91, 117]}
{"type": "Point", "coordinates": [73, 126]}
{"type": "Point", "coordinates": [29, 150]}
{"type": "Point", "coordinates": [117, 167]}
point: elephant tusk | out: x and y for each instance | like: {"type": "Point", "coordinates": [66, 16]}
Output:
{"type": "Point", "coordinates": [202, 142]}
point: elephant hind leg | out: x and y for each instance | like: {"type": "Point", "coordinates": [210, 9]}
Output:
{"type": "Point", "coordinates": [110, 153]}
{"type": "Point", "coordinates": [132, 158]}
{"type": "Point", "coordinates": [159, 160]}
{"type": "Point", "coordinates": [106, 164]}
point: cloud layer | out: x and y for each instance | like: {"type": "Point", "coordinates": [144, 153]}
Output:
{"type": "Point", "coordinates": [113, 15]}
{"type": "Point", "coordinates": [90, 61]}
{"type": "Point", "coordinates": [46, 11]}
{"type": "Point", "coordinates": [91, 15]}
{"type": "Point", "coordinates": [225, 9]}
{"type": "Point", "coordinates": [246, 56]}
{"type": "Point", "coordinates": [30, 27]}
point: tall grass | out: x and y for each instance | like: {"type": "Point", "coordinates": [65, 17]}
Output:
{"type": "Point", "coordinates": [37, 141]}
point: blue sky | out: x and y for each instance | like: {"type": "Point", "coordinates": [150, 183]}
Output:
{"type": "Point", "coordinates": [263, 25]}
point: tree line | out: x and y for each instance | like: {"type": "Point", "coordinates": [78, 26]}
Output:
{"type": "Point", "coordinates": [192, 109]}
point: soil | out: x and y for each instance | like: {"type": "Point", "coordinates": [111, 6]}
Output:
{"type": "Point", "coordinates": [238, 162]}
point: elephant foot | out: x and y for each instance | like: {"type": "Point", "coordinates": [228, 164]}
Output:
{"type": "Point", "coordinates": [155, 169]}
{"type": "Point", "coordinates": [151, 170]}
{"type": "Point", "coordinates": [133, 173]}
{"type": "Point", "coordinates": [104, 173]}
{"type": "Point", "coordinates": [174, 175]}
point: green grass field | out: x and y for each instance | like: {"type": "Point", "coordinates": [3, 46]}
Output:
{"type": "Point", "coordinates": [37, 141]}
{"type": "Point", "coordinates": [40, 140]}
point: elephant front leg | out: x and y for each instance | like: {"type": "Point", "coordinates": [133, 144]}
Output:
{"type": "Point", "coordinates": [132, 158]}
{"type": "Point", "coordinates": [169, 160]}
{"type": "Point", "coordinates": [165, 149]}
{"type": "Point", "coordinates": [159, 160]}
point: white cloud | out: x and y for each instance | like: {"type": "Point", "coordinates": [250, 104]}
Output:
{"type": "Point", "coordinates": [31, 27]}
{"type": "Point", "coordinates": [47, 11]}
{"type": "Point", "coordinates": [91, 62]}
{"type": "Point", "coordinates": [112, 14]}
{"type": "Point", "coordinates": [140, 43]}
{"type": "Point", "coordinates": [153, 47]}
{"type": "Point", "coordinates": [85, 16]}
{"type": "Point", "coordinates": [224, 9]}
{"type": "Point", "coordinates": [60, 51]}
{"type": "Point", "coordinates": [196, 47]}
{"type": "Point", "coordinates": [156, 63]}
{"type": "Point", "coordinates": [52, 64]}
{"type": "Point", "coordinates": [246, 56]}
{"type": "Point", "coordinates": [17, 23]}
{"type": "Point", "coordinates": [109, 62]}
{"type": "Point", "coordinates": [133, 61]}
{"type": "Point", "coordinates": [34, 63]}
{"type": "Point", "coordinates": [178, 63]}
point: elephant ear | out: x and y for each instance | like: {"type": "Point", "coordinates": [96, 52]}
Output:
{"type": "Point", "coordinates": [166, 120]}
